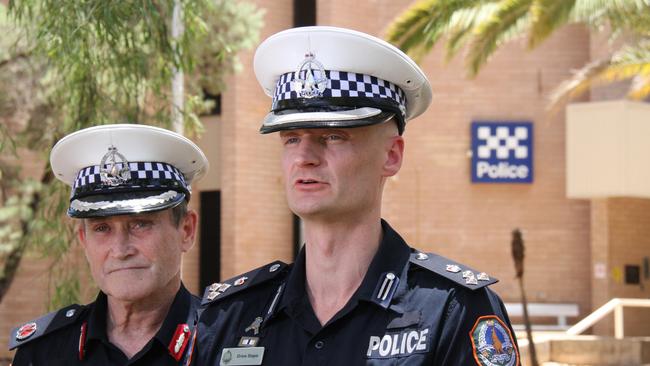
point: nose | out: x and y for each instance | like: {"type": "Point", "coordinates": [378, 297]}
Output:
{"type": "Point", "coordinates": [308, 153]}
{"type": "Point", "coordinates": [122, 247]}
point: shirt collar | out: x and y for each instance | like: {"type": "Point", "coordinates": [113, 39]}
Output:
{"type": "Point", "coordinates": [392, 257]}
{"type": "Point", "coordinates": [179, 312]}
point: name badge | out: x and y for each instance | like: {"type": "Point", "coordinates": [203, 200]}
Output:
{"type": "Point", "coordinates": [242, 356]}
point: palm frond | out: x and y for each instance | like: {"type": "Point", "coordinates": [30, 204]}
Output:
{"type": "Point", "coordinates": [461, 24]}
{"type": "Point", "coordinates": [402, 25]}
{"type": "Point", "coordinates": [579, 83]}
{"type": "Point", "coordinates": [632, 61]}
{"type": "Point", "coordinates": [617, 13]}
{"type": "Point", "coordinates": [489, 34]}
{"type": "Point", "coordinates": [546, 17]}
{"type": "Point", "coordinates": [640, 88]}
{"type": "Point", "coordinates": [418, 29]}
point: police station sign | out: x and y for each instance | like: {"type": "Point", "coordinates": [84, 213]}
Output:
{"type": "Point", "coordinates": [502, 152]}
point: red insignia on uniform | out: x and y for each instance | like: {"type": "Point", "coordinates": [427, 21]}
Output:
{"type": "Point", "coordinates": [82, 341]}
{"type": "Point", "coordinates": [26, 331]}
{"type": "Point", "coordinates": [179, 341]}
{"type": "Point", "coordinates": [190, 352]}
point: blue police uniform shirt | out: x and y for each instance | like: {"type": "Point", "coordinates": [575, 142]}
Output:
{"type": "Point", "coordinates": [410, 309]}
{"type": "Point", "coordinates": [81, 338]}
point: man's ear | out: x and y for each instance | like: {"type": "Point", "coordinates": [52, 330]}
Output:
{"type": "Point", "coordinates": [394, 155]}
{"type": "Point", "coordinates": [81, 232]}
{"type": "Point", "coordinates": [188, 228]}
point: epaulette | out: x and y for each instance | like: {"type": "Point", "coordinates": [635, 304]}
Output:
{"type": "Point", "coordinates": [456, 272]}
{"type": "Point", "coordinates": [44, 325]}
{"type": "Point", "coordinates": [219, 291]}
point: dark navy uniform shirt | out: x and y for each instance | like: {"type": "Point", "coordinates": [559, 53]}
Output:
{"type": "Point", "coordinates": [76, 335]}
{"type": "Point", "coordinates": [411, 309]}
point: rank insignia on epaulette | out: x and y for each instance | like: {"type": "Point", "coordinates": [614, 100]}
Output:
{"type": "Point", "coordinates": [453, 268]}
{"type": "Point", "coordinates": [26, 331]}
{"type": "Point", "coordinates": [44, 325]}
{"type": "Point", "coordinates": [217, 289]}
{"type": "Point", "coordinates": [457, 273]}
{"type": "Point", "coordinates": [240, 281]}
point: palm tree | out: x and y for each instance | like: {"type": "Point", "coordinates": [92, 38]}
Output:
{"type": "Point", "coordinates": [484, 25]}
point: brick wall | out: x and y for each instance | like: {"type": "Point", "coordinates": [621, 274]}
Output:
{"type": "Point", "coordinates": [628, 221]}
{"type": "Point", "coordinates": [256, 223]}
{"type": "Point", "coordinates": [432, 201]}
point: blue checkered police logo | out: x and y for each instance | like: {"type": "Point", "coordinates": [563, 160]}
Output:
{"type": "Point", "coordinates": [502, 152]}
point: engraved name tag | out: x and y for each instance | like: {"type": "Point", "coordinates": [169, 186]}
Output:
{"type": "Point", "coordinates": [242, 356]}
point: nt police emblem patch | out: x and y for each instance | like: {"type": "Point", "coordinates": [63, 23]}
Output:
{"type": "Point", "coordinates": [492, 343]}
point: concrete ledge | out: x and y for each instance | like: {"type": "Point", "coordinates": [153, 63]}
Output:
{"type": "Point", "coordinates": [590, 350]}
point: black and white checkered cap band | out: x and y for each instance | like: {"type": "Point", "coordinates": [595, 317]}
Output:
{"type": "Point", "coordinates": [343, 84]}
{"type": "Point", "coordinates": [139, 170]}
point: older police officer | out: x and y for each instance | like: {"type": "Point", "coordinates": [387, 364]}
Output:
{"type": "Point", "coordinates": [357, 293]}
{"type": "Point", "coordinates": [130, 188]}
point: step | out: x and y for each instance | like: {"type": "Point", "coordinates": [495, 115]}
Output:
{"type": "Point", "coordinates": [589, 350]}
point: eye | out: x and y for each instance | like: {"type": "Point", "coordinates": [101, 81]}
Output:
{"type": "Point", "coordinates": [101, 228]}
{"type": "Point", "coordinates": [333, 137]}
{"type": "Point", "coordinates": [141, 224]}
{"type": "Point", "coordinates": [289, 140]}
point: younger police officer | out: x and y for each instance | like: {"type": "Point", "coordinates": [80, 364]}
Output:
{"type": "Point", "coordinates": [357, 294]}
{"type": "Point", "coordinates": [130, 187]}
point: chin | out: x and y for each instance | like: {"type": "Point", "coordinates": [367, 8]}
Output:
{"type": "Point", "coordinates": [129, 288]}
{"type": "Point", "coordinates": [130, 292]}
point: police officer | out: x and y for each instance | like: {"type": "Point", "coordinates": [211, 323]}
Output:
{"type": "Point", "coordinates": [357, 293]}
{"type": "Point", "coordinates": [130, 188]}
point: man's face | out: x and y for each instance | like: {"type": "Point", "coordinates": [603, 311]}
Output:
{"type": "Point", "coordinates": [133, 256]}
{"type": "Point", "coordinates": [335, 174]}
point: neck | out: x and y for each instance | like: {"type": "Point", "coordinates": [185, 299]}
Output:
{"type": "Point", "coordinates": [130, 324]}
{"type": "Point", "coordinates": [337, 258]}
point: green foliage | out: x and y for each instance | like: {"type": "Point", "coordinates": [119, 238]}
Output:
{"type": "Point", "coordinates": [422, 25]}
{"type": "Point", "coordinates": [69, 64]}
{"type": "Point", "coordinates": [485, 25]}
{"type": "Point", "coordinates": [232, 26]}
{"type": "Point", "coordinates": [488, 34]}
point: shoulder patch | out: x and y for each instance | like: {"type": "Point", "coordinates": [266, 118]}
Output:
{"type": "Point", "coordinates": [219, 291]}
{"type": "Point", "coordinates": [44, 325]}
{"type": "Point", "coordinates": [458, 273]}
{"type": "Point", "coordinates": [492, 343]}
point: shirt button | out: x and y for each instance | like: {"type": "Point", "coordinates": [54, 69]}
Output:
{"type": "Point", "coordinates": [319, 344]}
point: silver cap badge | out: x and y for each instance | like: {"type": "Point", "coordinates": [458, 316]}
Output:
{"type": "Point", "coordinates": [109, 171]}
{"type": "Point", "coordinates": [312, 85]}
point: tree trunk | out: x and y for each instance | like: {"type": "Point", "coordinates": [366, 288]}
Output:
{"type": "Point", "coordinates": [529, 332]}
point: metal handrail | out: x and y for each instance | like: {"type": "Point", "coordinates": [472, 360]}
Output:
{"type": "Point", "coordinates": [616, 305]}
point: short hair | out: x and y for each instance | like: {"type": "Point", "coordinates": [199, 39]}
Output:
{"type": "Point", "coordinates": [178, 213]}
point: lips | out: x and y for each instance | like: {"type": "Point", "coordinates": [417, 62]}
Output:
{"type": "Point", "coordinates": [308, 184]}
{"type": "Point", "coordinates": [113, 270]}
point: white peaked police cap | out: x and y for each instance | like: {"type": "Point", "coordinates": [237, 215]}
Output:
{"type": "Point", "coordinates": [126, 168]}
{"type": "Point", "coordinates": [335, 77]}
